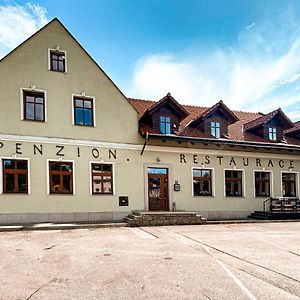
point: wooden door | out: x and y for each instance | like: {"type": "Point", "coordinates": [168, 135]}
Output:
{"type": "Point", "coordinates": [158, 189]}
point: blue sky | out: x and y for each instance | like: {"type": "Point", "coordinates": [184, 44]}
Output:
{"type": "Point", "coordinates": [244, 52]}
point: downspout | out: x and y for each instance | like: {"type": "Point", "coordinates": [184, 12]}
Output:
{"type": "Point", "coordinates": [145, 143]}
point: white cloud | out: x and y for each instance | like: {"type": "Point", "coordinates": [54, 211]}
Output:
{"type": "Point", "coordinates": [18, 23]}
{"type": "Point", "coordinates": [261, 72]}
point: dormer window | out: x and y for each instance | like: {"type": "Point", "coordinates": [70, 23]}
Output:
{"type": "Point", "coordinates": [165, 125]}
{"type": "Point", "coordinates": [272, 133]}
{"type": "Point", "coordinates": [215, 129]}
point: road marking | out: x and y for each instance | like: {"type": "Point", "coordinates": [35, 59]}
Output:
{"type": "Point", "coordinates": [231, 275]}
{"type": "Point", "coordinates": [143, 234]}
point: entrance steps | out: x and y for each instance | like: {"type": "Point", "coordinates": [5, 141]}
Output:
{"type": "Point", "coordinates": [163, 218]}
{"type": "Point", "coordinates": [273, 215]}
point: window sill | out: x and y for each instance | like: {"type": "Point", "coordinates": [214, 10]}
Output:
{"type": "Point", "coordinates": [35, 121]}
{"type": "Point", "coordinates": [62, 72]}
{"type": "Point", "coordinates": [85, 126]}
{"type": "Point", "coordinates": [64, 194]}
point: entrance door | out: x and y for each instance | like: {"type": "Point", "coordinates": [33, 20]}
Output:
{"type": "Point", "coordinates": [158, 189]}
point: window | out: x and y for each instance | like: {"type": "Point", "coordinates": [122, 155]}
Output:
{"type": "Point", "coordinates": [272, 133]}
{"type": "Point", "coordinates": [233, 183]}
{"type": "Point", "coordinates": [57, 61]}
{"type": "Point", "coordinates": [102, 178]}
{"type": "Point", "coordinates": [61, 177]}
{"type": "Point", "coordinates": [262, 184]}
{"type": "Point", "coordinates": [165, 125]}
{"type": "Point", "coordinates": [215, 129]}
{"type": "Point", "coordinates": [34, 106]}
{"type": "Point", "coordinates": [83, 111]}
{"type": "Point", "coordinates": [288, 184]}
{"type": "Point", "coordinates": [202, 182]}
{"type": "Point", "coordinates": [15, 176]}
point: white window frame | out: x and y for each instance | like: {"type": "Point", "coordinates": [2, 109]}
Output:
{"type": "Point", "coordinates": [297, 182]}
{"type": "Point", "coordinates": [48, 177]}
{"type": "Point", "coordinates": [113, 177]}
{"type": "Point", "coordinates": [271, 183]}
{"type": "Point", "coordinates": [243, 183]}
{"type": "Point", "coordinates": [66, 59]}
{"type": "Point", "coordinates": [212, 181]}
{"type": "Point", "coordinates": [22, 90]}
{"type": "Point", "coordinates": [215, 128]}
{"type": "Point", "coordinates": [272, 131]}
{"type": "Point", "coordinates": [94, 108]}
{"type": "Point", "coordinates": [28, 175]}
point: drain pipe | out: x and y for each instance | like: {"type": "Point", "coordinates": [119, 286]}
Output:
{"type": "Point", "coordinates": [145, 143]}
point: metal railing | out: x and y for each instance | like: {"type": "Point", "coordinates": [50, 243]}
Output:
{"type": "Point", "coordinates": [282, 204]}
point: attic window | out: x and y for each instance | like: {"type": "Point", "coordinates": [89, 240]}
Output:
{"type": "Point", "coordinates": [165, 125]}
{"type": "Point", "coordinates": [272, 133]}
{"type": "Point", "coordinates": [215, 129]}
{"type": "Point", "coordinates": [57, 61]}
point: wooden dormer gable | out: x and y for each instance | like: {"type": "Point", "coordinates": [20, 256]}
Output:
{"type": "Point", "coordinates": [166, 109]}
{"type": "Point", "coordinates": [215, 120]}
{"type": "Point", "coordinates": [270, 126]}
{"type": "Point", "coordinates": [293, 132]}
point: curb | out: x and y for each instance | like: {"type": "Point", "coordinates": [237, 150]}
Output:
{"type": "Point", "coordinates": [249, 221]}
{"type": "Point", "coordinates": [56, 226]}
{"type": "Point", "coordinates": [73, 226]}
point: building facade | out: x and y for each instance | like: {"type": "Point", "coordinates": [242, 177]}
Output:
{"type": "Point", "coordinates": [74, 148]}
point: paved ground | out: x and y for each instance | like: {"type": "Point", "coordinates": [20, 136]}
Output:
{"type": "Point", "coordinates": [233, 261]}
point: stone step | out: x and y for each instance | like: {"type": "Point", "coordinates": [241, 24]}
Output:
{"type": "Point", "coordinates": [140, 218]}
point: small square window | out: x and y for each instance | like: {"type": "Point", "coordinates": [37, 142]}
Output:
{"type": "Point", "coordinates": [234, 183]}
{"type": "Point", "coordinates": [34, 106]}
{"type": "Point", "coordinates": [15, 176]}
{"type": "Point", "coordinates": [202, 182]}
{"type": "Point", "coordinates": [57, 61]}
{"type": "Point", "coordinates": [102, 178]}
{"type": "Point", "coordinates": [61, 177]}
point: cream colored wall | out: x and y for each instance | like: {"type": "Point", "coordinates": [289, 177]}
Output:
{"type": "Point", "coordinates": [129, 168]}
{"type": "Point", "coordinates": [128, 180]}
{"type": "Point", "coordinates": [183, 173]}
{"type": "Point", "coordinates": [116, 120]}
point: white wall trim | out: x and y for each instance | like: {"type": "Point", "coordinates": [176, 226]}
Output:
{"type": "Point", "coordinates": [170, 182]}
{"type": "Point", "coordinates": [28, 174]}
{"type": "Point", "coordinates": [113, 177]}
{"type": "Point", "coordinates": [48, 177]}
{"type": "Point", "coordinates": [22, 89]}
{"type": "Point", "coordinates": [94, 107]}
{"type": "Point", "coordinates": [243, 183]}
{"type": "Point", "coordinates": [271, 183]}
{"type": "Point", "coordinates": [138, 147]}
{"type": "Point", "coordinates": [297, 182]}
{"type": "Point", "coordinates": [59, 51]}
{"type": "Point", "coordinates": [213, 181]}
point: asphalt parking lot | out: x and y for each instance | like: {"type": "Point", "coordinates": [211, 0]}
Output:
{"type": "Point", "coordinates": [233, 261]}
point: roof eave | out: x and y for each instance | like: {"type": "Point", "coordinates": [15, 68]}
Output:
{"type": "Point", "coordinates": [211, 141]}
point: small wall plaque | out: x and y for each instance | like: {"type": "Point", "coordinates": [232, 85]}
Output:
{"type": "Point", "coordinates": [123, 201]}
{"type": "Point", "coordinates": [176, 186]}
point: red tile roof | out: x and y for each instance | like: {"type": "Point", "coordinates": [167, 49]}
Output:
{"type": "Point", "coordinates": [235, 131]}
{"type": "Point", "coordinates": [267, 118]}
